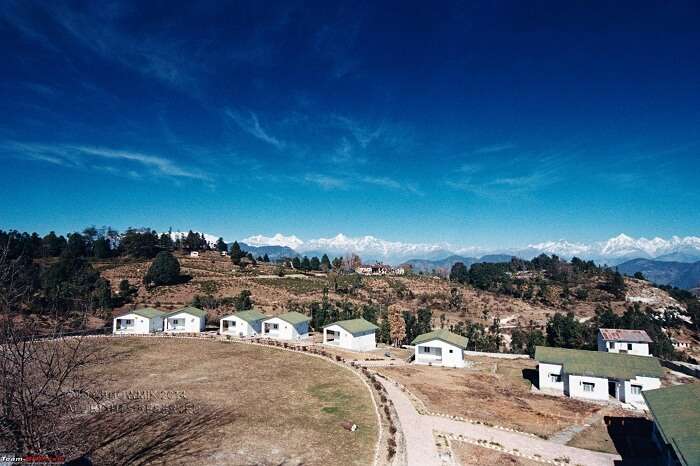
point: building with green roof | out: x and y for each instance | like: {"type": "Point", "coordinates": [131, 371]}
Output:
{"type": "Point", "coordinates": [353, 334]}
{"type": "Point", "coordinates": [440, 348]}
{"type": "Point", "coordinates": [287, 326]}
{"type": "Point", "coordinates": [676, 413]}
{"type": "Point", "coordinates": [597, 375]}
{"type": "Point", "coordinates": [242, 324]}
{"type": "Point", "coordinates": [185, 320]}
{"type": "Point", "coordinates": [138, 322]}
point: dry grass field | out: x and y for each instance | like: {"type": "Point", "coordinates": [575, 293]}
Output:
{"type": "Point", "coordinates": [467, 454]}
{"type": "Point", "coordinates": [619, 432]}
{"type": "Point", "coordinates": [493, 391]}
{"type": "Point", "coordinates": [228, 404]}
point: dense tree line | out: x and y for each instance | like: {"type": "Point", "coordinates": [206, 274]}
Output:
{"type": "Point", "coordinates": [522, 278]}
{"type": "Point", "coordinates": [566, 331]}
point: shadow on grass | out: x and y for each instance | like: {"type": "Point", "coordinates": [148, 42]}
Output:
{"type": "Point", "coordinates": [632, 439]}
{"type": "Point", "coordinates": [149, 437]}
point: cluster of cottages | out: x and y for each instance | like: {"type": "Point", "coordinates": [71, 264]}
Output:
{"type": "Point", "coordinates": [380, 269]}
{"type": "Point", "coordinates": [622, 368]}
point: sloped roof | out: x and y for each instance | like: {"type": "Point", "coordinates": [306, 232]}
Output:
{"type": "Point", "coordinates": [294, 318]}
{"type": "Point", "coordinates": [355, 326]}
{"type": "Point", "coordinates": [676, 411]}
{"type": "Point", "coordinates": [620, 334]}
{"type": "Point", "coordinates": [600, 363]}
{"type": "Point", "coordinates": [248, 316]}
{"type": "Point", "coordinates": [195, 311]}
{"type": "Point", "coordinates": [147, 312]}
{"type": "Point", "coordinates": [442, 335]}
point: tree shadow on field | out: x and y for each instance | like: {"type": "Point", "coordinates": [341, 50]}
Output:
{"type": "Point", "coordinates": [532, 376]}
{"type": "Point", "coordinates": [154, 438]}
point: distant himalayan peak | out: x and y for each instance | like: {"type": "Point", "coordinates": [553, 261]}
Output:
{"type": "Point", "coordinates": [611, 251]}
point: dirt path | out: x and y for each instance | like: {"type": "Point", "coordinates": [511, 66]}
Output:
{"type": "Point", "coordinates": [564, 436]}
{"type": "Point", "coordinates": [422, 451]}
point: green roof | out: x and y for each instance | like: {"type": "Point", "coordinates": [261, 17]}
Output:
{"type": "Point", "coordinates": [195, 311]}
{"type": "Point", "coordinates": [294, 318]}
{"type": "Point", "coordinates": [249, 316]}
{"type": "Point", "coordinates": [442, 335]}
{"type": "Point", "coordinates": [356, 326]}
{"type": "Point", "coordinates": [676, 411]}
{"type": "Point", "coordinates": [147, 312]}
{"type": "Point", "coordinates": [600, 363]}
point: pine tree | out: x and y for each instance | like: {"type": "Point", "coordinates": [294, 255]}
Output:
{"type": "Point", "coordinates": [236, 253]}
{"type": "Point", "coordinates": [315, 263]}
{"type": "Point", "coordinates": [221, 246]}
{"type": "Point", "coordinates": [305, 264]}
{"type": "Point", "coordinates": [165, 270]}
{"type": "Point", "coordinates": [266, 258]}
{"type": "Point", "coordinates": [325, 263]}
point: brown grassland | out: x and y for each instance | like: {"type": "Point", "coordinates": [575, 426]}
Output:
{"type": "Point", "coordinates": [467, 454]}
{"type": "Point", "coordinates": [493, 391]}
{"type": "Point", "coordinates": [236, 404]}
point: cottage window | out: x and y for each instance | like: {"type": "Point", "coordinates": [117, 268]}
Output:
{"type": "Point", "coordinates": [636, 389]}
{"type": "Point", "coordinates": [588, 386]}
{"type": "Point", "coordinates": [451, 351]}
{"type": "Point", "coordinates": [629, 346]}
{"type": "Point", "coordinates": [425, 349]}
{"type": "Point", "coordinates": [555, 378]}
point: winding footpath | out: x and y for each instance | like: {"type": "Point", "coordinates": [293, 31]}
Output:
{"type": "Point", "coordinates": [421, 449]}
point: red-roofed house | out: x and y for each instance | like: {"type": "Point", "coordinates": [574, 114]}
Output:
{"type": "Point", "coordinates": [615, 340]}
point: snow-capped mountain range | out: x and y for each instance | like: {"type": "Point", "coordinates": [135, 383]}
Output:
{"type": "Point", "coordinates": [612, 251]}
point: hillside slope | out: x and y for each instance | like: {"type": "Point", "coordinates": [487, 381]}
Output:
{"type": "Point", "coordinates": [679, 274]}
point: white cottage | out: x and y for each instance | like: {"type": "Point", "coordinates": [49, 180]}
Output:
{"type": "Point", "coordinates": [185, 320]}
{"type": "Point", "coordinates": [597, 375]}
{"type": "Point", "coordinates": [288, 326]}
{"type": "Point", "coordinates": [613, 340]}
{"type": "Point", "coordinates": [194, 254]}
{"type": "Point", "coordinates": [440, 348]}
{"type": "Point", "coordinates": [139, 322]}
{"type": "Point", "coordinates": [354, 334]}
{"type": "Point", "coordinates": [242, 324]}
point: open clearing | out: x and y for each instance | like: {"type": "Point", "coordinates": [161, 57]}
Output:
{"type": "Point", "coordinates": [232, 404]}
{"type": "Point", "coordinates": [493, 391]}
{"type": "Point", "coordinates": [619, 431]}
{"type": "Point", "coordinates": [467, 454]}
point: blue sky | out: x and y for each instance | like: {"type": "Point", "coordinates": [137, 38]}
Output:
{"type": "Point", "coordinates": [492, 125]}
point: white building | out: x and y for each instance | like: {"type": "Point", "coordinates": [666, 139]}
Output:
{"type": "Point", "coordinates": [354, 334]}
{"type": "Point", "coordinates": [194, 254]}
{"type": "Point", "coordinates": [597, 375]}
{"type": "Point", "coordinates": [613, 340]}
{"type": "Point", "coordinates": [676, 414]}
{"type": "Point", "coordinates": [139, 322]}
{"type": "Point", "coordinates": [376, 269]}
{"type": "Point", "coordinates": [288, 326]}
{"type": "Point", "coordinates": [440, 348]}
{"type": "Point", "coordinates": [185, 320]}
{"type": "Point", "coordinates": [242, 324]}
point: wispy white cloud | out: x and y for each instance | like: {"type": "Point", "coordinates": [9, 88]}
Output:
{"type": "Point", "coordinates": [79, 156]}
{"type": "Point", "coordinates": [494, 148]}
{"type": "Point", "coordinates": [325, 181]}
{"type": "Point", "coordinates": [251, 125]}
{"type": "Point", "coordinates": [518, 176]}
{"type": "Point", "coordinates": [363, 135]}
